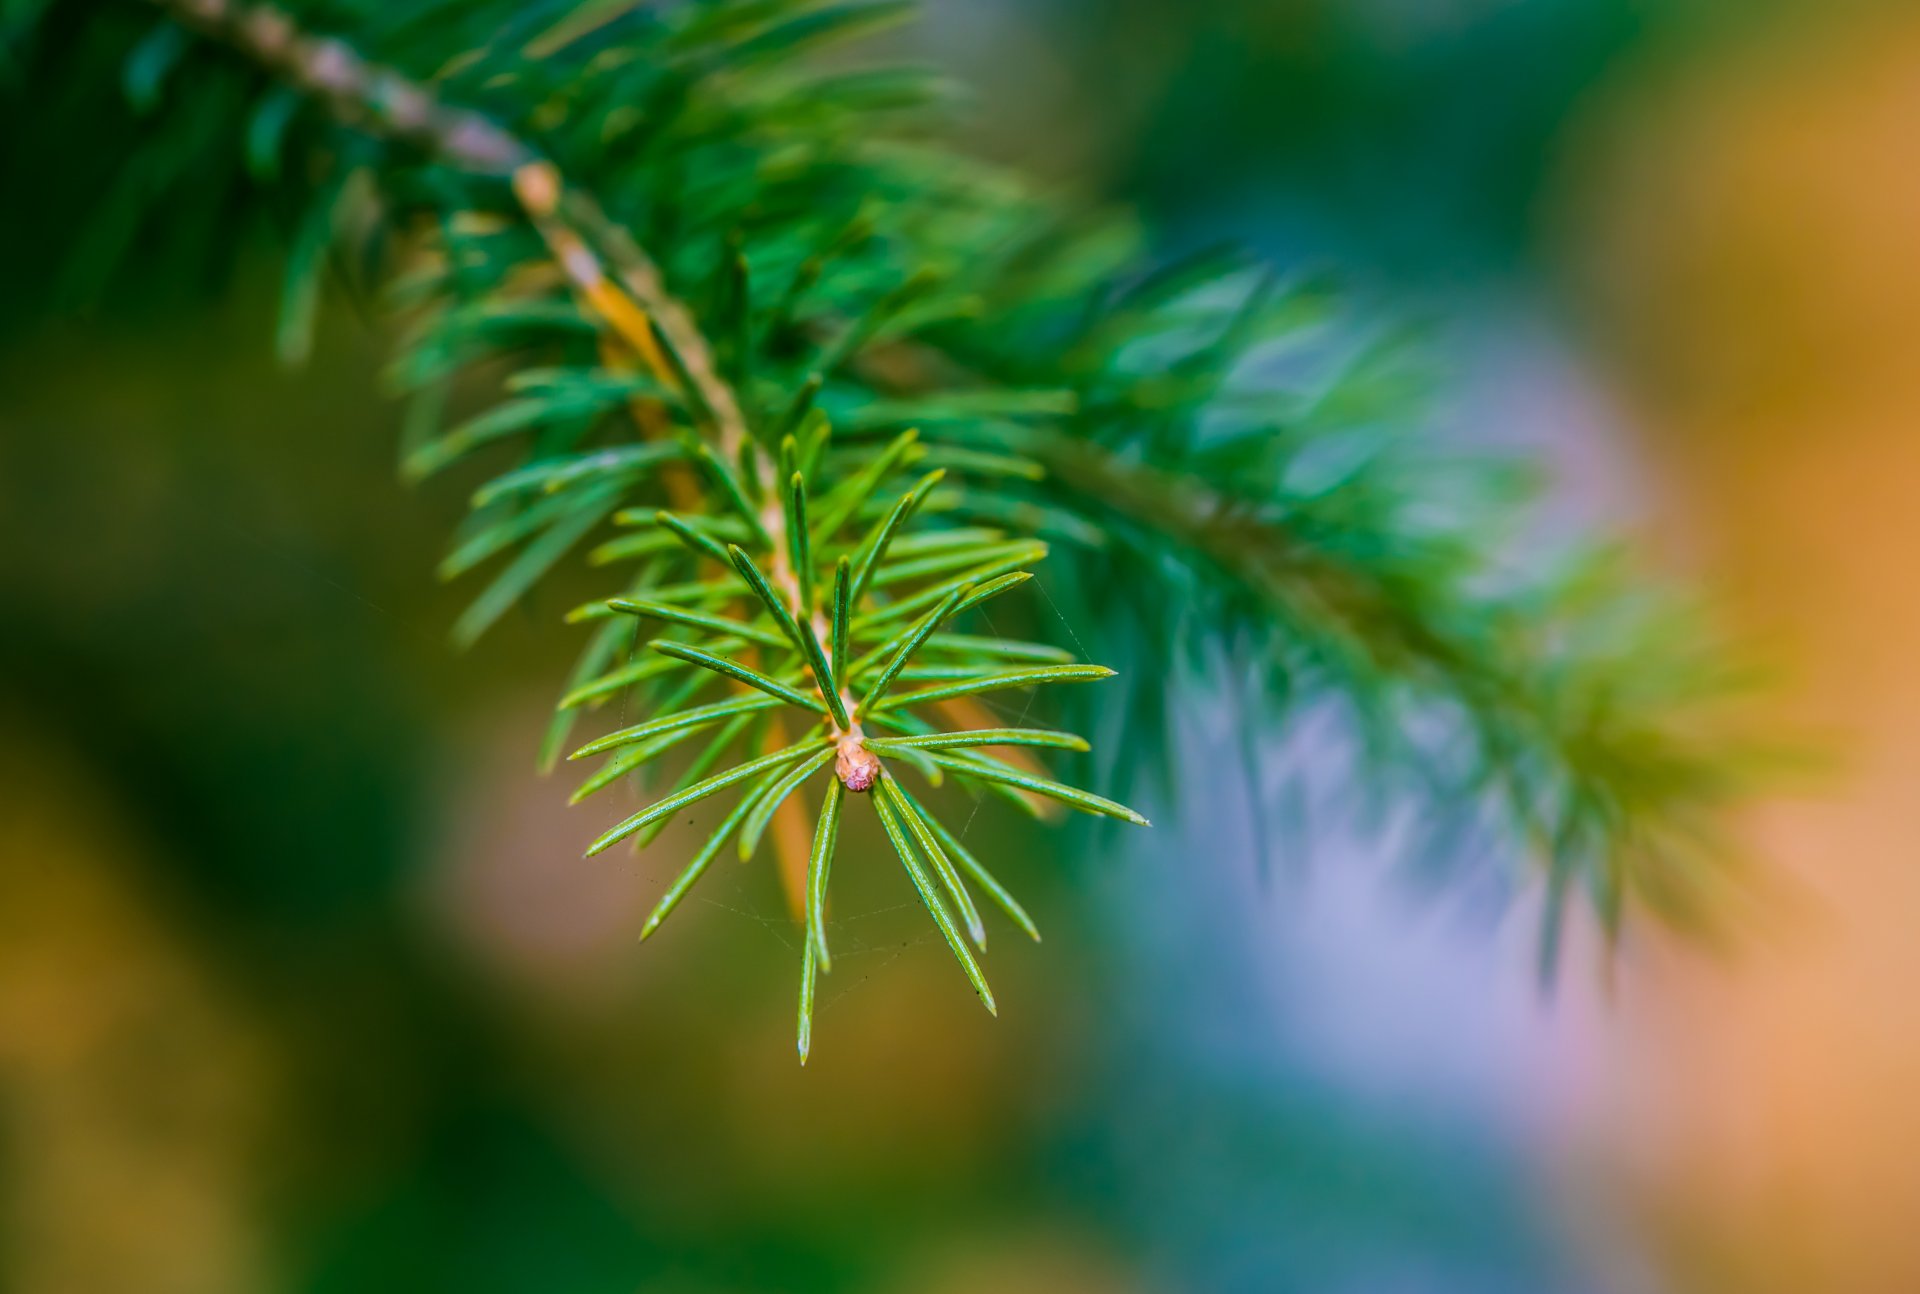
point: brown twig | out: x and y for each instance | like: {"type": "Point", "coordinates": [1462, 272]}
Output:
{"type": "Point", "coordinates": [356, 91]}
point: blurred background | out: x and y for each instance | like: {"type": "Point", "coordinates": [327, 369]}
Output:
{"type": "Point", "coordinates": [304, 985]}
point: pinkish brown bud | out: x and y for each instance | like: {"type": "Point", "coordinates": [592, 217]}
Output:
{"type": "Point", "coordinates": [857, 767]}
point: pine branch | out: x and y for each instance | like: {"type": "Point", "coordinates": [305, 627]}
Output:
{"type": "Point", "coordinates": [744, 314]}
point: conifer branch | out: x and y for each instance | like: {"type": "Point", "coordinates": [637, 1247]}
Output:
{"type": "Point", "coordinates": [840, 388]}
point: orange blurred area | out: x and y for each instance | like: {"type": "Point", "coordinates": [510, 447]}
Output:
{"type": "Point", "coordinates": [1743, 232]}
{"type": "Point", "coordinates": [135, 1091]}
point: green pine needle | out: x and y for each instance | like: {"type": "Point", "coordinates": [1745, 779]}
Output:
{"type": "Point", "coordinates": [809, 967]}
{"type": "Point", "coordinates": [847, 499]}
{"type": "Point", "coordinates": [842, 613]}
{"type": "Point", "coordinates": [874, 548]}
{"type": "Point", "coordinates": [697, 792]}
{"type": "Point", "coordinates": [799, 544]}
{"type": "Point", "coordinates": [930, 850]}
{"type": "Point", "coordinates": [964, 859]}
{"type": "Point", "coordinates": [909, 643]}
{"type": "Point", "coordinates": [826, 834]}
{"type": "Point", "coordinates": [1006, 566]}
{"type": "Point", "coordinates": [700, 716]}
{"type": "Point", "coordinates": [991, 589]}
{"type": "Point", "coordinates": [630, 759]}
{"type": "Point", "coordinates": [704, 763]}
{"type": "Point", "coordinates": [619, 680]}
{"type": "Point", "coordinates": [984, 737]}
{"type": "Point", "coordinates": [698, 864]}
{"type": "Point", "coordinates": [698, 541]}
{"type": "Point", "coordinates": [730, 489]}
{"type": "Point", "coordinates": [1085, 801]}
{"type": "Point", "coordinates": [696, 620]}
{"type": "Point", "coordinates": [997, 682]}
{"type": "Point", "coordinates": [776, 795]}
{"type": "Point", "coordinates": [930, 899]}
{"type": "Point", "coordinates": [733, 669]}
{"type": "Point", "coordinates": [775, 605]}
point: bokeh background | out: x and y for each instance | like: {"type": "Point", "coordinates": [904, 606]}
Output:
{"type": "Point", "coordinates": [304, 986]}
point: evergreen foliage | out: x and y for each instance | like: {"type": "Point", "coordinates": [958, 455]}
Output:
{"type": "Point", "coordinates": [719, 308]}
